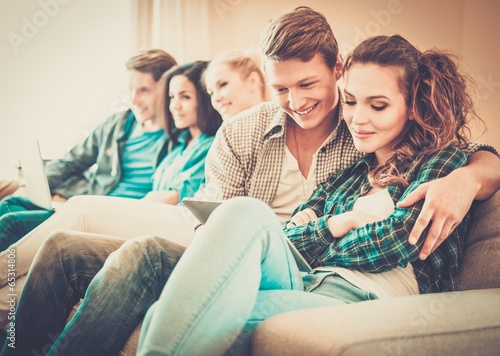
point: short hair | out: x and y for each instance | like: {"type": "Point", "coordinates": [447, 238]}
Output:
{"type": "Point", "coordinates": [154, 61]}
{"type": "Point", "coordinates": [244, 64]}
{"type": "Point", "coordinates": [299, 34]}
{"type": "Point", "coordinates": [209, 120]}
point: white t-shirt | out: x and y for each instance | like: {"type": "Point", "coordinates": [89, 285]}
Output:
{"type": "Point", "coordinates": [293, 188]}
{"type": "Point", "coordinates": [396, 282]}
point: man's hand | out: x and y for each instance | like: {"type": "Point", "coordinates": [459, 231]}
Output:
{"type": "Point", "coordinates": [447, 201]}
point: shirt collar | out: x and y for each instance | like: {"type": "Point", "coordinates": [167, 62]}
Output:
{"type": "Point", "coordinates": [276, 127]}
{"type": "Point", "coordinates": [366, 162]}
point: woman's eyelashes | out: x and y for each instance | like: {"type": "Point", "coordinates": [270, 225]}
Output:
{"type": "Point", "coordinates": [218, 87]}
{"type": "Point", "coordinates": [376, 107]}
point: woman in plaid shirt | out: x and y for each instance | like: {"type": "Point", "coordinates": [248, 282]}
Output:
{"type": "Point", "coordinates": [408, 111]}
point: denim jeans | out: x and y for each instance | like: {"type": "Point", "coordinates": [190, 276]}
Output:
{"type": "Point", "coordinates": [116, 293]}
{"type": "Point", "coordinates": [100, 215]}
{"type": "Point", "coordinates": [237, 272]}
{"type": "Point", "coordinates": [18, 216]}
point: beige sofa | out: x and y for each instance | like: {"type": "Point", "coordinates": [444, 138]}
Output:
{"type": "Point", "coordinates": [466, 322]}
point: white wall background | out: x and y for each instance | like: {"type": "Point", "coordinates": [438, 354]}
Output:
{"type": "Point", "coordinates": [69, 74]}
{"type": "Point", "coordinates": [61, 71]}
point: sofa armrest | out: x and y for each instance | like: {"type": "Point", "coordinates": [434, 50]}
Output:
{"type": "Point", "coordinates": [479, 268]}
{"type": "Point", "coordinates": [456, 323]}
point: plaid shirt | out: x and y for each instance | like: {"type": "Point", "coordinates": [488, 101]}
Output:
{"type": "Point", "coordinates": [383, 245]}
{"type": "Point", "coordinates": [246, 157]}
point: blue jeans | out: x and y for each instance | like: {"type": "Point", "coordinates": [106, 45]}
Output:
{"type": "Point", "coordinates": [237, 272]}
{"type": "Point", "coordinates": [18, 216]}
{"type": "Point", "coordinates": [116, 293]}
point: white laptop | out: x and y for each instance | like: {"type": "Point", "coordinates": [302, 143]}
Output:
{"type": "Point", "coordinates": [35, 178]}
{"type": "Point", "coordinates": [203, 208]}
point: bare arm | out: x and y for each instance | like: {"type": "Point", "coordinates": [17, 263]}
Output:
{"type": "Point", "coordinates": [339, 225]}
{"type": "Point", "coordinates": [448, 199]}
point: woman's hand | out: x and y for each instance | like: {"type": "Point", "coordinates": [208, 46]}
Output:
{"type": "Point", "coordinates": [340, 225]}
{"type": "Point", "coordinates": [301, 218]}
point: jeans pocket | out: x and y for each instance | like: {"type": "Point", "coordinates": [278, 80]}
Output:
{"type": "Point", "coordinates": [332, 285]}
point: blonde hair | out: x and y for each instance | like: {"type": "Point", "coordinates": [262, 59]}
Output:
{"type": "Point", "coordinates": [243, 63]}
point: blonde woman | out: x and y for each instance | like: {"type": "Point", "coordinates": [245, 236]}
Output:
{"type": "Point", "coordinates": [235, 83]}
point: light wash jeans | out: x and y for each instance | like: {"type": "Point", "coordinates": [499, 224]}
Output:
{"type": "Point", "coordinates": [237, 272]}
{"type": "Point", "coordinates": [114, 302]}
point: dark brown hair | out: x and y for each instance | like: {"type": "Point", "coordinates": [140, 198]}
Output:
{"type": "Point", "coordinates": [439, 106]}
{"type": "Point", "coordinates": [209, 120]}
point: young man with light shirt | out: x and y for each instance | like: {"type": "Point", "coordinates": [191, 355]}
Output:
{"type": "Point", "coordinates": [123, 152]}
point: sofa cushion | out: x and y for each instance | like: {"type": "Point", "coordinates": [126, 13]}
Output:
{"type": "Point", "coordinates": [480, 266]}
{"type": "Point", "coordinates": [456, 323]}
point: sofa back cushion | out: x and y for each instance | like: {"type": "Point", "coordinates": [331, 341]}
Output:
{"type": "Point", "coordinates": [480, 267]}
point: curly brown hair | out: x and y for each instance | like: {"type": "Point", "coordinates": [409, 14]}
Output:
{"type": "Point", "coordinates": [437, 98]}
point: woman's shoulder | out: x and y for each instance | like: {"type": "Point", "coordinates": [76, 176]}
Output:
{"type": "Point", "coordinates": [442, 162]}
{"type": "Point", "coordinates": [447, 155]}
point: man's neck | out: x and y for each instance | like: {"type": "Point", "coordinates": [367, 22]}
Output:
{"type": "Point", "coordinates": [151, 125]}
{"type": "Point", "coordinates": [319, 134]}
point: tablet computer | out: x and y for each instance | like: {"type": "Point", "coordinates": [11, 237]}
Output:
{"type": "Point", "coordinates": [301, 262]}
{"type": "Point", "coordinates": [200, 208]}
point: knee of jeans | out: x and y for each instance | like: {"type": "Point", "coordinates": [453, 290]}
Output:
{"type": "Point", "coordinates": [145, 245]}
{"type": "Point", "coordinates": [76, 202]}
{"type": "Point", "coordinates": [3, 207]}
{"type": "Point", "coordinates": [12, 203]}
{"type": "Point", "coordinates": [157, 252]}
{"type": "Point", "coordinates": [73, 200]}
{"type": "Point", "coordinates": [244, 208]}
{"type": "Point", "coordinates": [58, 241]}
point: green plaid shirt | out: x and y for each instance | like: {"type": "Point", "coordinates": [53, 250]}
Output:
{"type": "Point", "coordinates": [383, 245]}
